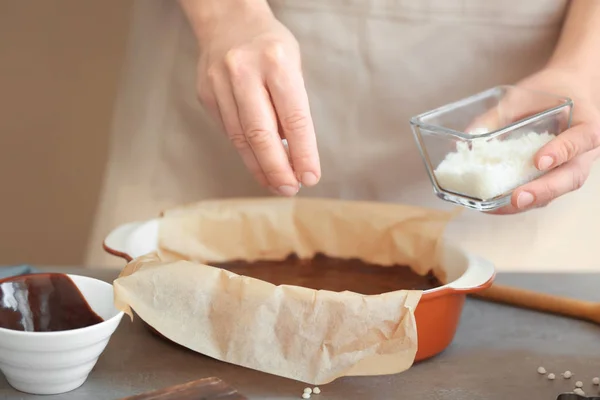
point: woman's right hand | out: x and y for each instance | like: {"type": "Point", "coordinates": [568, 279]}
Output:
{"type": "Point", "coordinates": [250, 79]}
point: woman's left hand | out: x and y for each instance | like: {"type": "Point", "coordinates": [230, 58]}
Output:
{"type": "Point", "coordinates": [568, 158]}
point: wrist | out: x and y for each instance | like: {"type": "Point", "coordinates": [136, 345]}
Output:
{"type": "Point", "coordinates": [205, 16]}
{"type": "Point", "coordinates": [575, 51]}
{"type": "Point", "coordinates": [577, 67]}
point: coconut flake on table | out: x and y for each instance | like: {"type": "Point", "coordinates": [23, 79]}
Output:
{"type": "Point", "coordinates": [491, 167]}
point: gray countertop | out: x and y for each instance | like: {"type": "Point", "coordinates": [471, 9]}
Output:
{"type": "Point", "coordinates": [495, 355]}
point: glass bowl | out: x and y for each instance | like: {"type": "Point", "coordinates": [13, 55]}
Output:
{"type": "Point", "coordinates": [479, 149]}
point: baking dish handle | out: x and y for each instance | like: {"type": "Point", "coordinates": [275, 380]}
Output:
{"type": "Point", "coordinates": [133, 240]}
{"type": "Point", "coordinates": [117, 241]}
{"type": "Point", "coordinates": [479, 275]}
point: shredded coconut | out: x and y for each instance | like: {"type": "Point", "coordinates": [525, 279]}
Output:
{"type": "Point", "coordinates": [541, 370]}
{"type": "Point", "coordinates": [491, 167]}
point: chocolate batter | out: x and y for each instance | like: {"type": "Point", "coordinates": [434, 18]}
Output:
{"type": "Point", "coordinates": [44, 303]}
{"type": "Point", "coordinates": [335, 274]}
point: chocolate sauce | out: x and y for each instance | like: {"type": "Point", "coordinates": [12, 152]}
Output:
{"type": "Point", "coordinates": [336, 274]}
{"type": "Point", "coordinates": [44, 303]}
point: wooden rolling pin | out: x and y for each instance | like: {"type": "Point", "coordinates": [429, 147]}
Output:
{"type": "Point", "coordinates": [578, 309]}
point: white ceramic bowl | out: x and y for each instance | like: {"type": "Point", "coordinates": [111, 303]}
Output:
{"type": "Point", "coordinates": [58, 362]}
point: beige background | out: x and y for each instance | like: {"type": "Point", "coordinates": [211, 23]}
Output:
{"type": "Point", "coordinates": [59, 66]}
{"type": "Point", "coordinates": [60, 62]}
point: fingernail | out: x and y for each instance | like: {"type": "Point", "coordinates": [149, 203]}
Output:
{"type": "Point", "coordinates": [545, 163]}
{"type": "Point", "coordinates": [287, 191]}
{"type": "Point", "coordinates": [309, 179]}
{"type": "Point", "coordinates": [524, 199]}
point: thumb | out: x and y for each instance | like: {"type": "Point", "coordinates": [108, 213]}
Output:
{"type": "Point", "coordinates": [513, 104]}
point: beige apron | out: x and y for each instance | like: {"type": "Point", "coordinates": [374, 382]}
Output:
{"type": "Point", "coordinates": [369, 65]}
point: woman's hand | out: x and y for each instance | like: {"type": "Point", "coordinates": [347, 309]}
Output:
{"type": "Point", "coordinates": [571, 71]}
{"type": "Point", "coordinates": [250, 80]}
{"type": "Point", "coordinates": [568, 158]}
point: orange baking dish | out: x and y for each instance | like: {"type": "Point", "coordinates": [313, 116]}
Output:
{"type": "Point", "coordinates": [437, 314]}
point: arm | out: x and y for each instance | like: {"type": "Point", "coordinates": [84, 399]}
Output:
{"type": "Point", "coordinates": [578, 49]}
{"type": "Point", "coordinates": [205, 15]}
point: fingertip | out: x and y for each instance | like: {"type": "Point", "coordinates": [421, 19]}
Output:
{"type": "Point", "coordinates": [523, 200]}
{"type": "Point", "coordinates": [287, 191]}
{"type": "Point", "coordinates": [513, 201]}
{"type": "Point", "coordinates": [545, 158]}
{"type": "Point", "coordinates": [309, 179]}
{"type": "Point", "coordinates": [283, 191]}
{"type": "Point", "coordinates": [545, 162]}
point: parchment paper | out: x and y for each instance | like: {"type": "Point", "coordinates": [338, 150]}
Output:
{"type": "Point", "coordinates": [299, 333]}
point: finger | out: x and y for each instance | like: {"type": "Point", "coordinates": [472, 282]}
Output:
{"type": "Point", "coordinates": [258, 122]}
{"type": "Point", "coordinates": [516, 104]}
{"type": "Point", "coordinates": [228, 114]}
{"type": "Point", "coordinates": [497, 116]}
{"type": "Point", "coordinates": [486, 122]}
{"type": "Point", "coordinates": [571, 143]}
{"type": "Point", "coordinates": [287, 90]}
{"type": "Point", "coordinates": [540, 192]}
